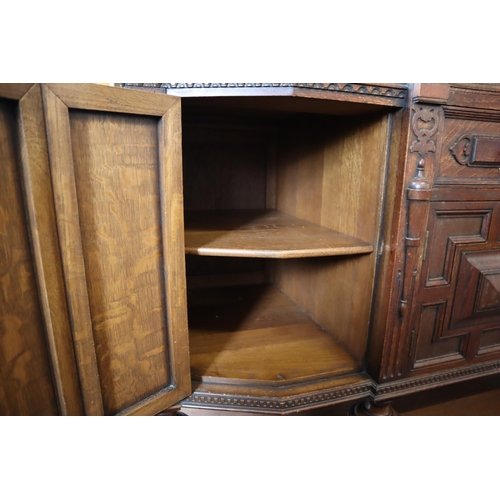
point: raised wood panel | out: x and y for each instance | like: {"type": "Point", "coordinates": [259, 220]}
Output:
{"type": "Point", "coordinates": [430, 348]}
{"type": "Point", "coordinates": [489, 341]}
{"type": "Point", "coordinates": [117, 179]}
{"type": "Point", "coordinates": [447, 229]}
{"type": "Point", "coordinates": [119, 207]}
{"type": "Point", "coordinates": [477, 292]}
{"type": "Point", "coordinates": [459, 300]}
{"type": "Point", "coordinates": [458, 149]}
{"type": "Point", "coordinates": [26, 382]}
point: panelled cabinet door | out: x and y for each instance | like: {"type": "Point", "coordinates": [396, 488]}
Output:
{"type": "Point", "coordinates": [114, 161]}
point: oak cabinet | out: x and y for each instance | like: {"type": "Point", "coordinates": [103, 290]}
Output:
{"type": "Point", "coordinates": [284, 190]}
{"type": "Point", "coordinates": [441, 323]}
{"type": "Point", "coordinates": [257, 247]}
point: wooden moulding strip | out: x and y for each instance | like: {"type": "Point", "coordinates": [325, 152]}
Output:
{"type": "Point", "coordinates": [68, 224]}
{"type": "Point", "coordinates": [14, 90]}
{"type": "Point", "coordinates": [46, 253]}
{"type": "Point", "coordinates": [281, 400]}
{"type": "Point", "coordinates": [101, 98]}
{"type": "Point", "coordinates": [172, 223]}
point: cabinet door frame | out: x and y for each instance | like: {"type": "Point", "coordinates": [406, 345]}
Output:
{"type": "Point", "coordinates": [58, 100]}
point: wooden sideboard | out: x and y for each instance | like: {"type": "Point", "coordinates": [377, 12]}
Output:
{"type": "Point", "coordinates": [247, 247]}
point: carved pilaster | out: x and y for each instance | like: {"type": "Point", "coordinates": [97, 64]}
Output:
{"type": "Point", "coordinates": [425, 124]}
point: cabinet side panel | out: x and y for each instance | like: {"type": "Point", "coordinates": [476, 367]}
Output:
{"type": "Point", "coordinates": [26, 384]}
{"type": "Point", "coordinates": [117, 183]}
{"type": "Point", "coordinates": [349, 178]}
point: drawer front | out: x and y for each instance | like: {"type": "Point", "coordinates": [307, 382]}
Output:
{"type": "Point", "coordinates": [470, 153]}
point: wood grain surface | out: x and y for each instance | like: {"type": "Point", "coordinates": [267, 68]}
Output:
{"type": "Point", "coordinates": [46, 251]}
{"type": "Point", "coordinates": [117, 180]}
{"type": "Point", "coordinates": [333, 173]}
{"type": "Point", "coordinates": [256, 334]}
{"type": "Point", "coordinates": [58, 128]}
{"type": "Point", "coordinates": [14, 90]}
{"type": "Point", "coordinates": [264, 233]}
{"type": "Point", "coordinates": [26, 385]}
{"type": "Point", "coordinates": [102, 98]}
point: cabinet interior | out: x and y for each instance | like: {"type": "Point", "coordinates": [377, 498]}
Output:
{"type": "Point", "coordinates": [282, 216]}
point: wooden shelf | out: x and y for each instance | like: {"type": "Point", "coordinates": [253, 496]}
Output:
{"type": "Point", "coordinates": [263, 233]}
{"type": "Point", "coordinates": [257, 335]}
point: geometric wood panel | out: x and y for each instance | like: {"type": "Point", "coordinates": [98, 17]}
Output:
{"type": "Point", "coordinates": [489, 341]}
{"type": "Point", "coordinates": [431, 349]}
{"type": "Point", "coordinates": [477, 293]}
{"type": "Point", "coordinates": [457, 308]}
{"type": "Point", "coordinates": [450, 228]}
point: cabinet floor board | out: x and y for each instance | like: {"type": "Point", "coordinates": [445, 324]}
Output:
{"type": "Point", "coordinates": [256, 334]}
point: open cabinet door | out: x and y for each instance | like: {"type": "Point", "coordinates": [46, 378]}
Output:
{"type": "Point", "coordinates": [109, 249]}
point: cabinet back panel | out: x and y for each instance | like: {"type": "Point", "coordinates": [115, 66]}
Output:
{"type": "Point", "coordinates": [26, 386]}
{"type": "Point", "coordinates": [224, 168]}
{"type": "Point", "coordinates": [117, 183]}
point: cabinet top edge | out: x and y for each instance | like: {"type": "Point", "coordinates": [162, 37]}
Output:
{"type": "Point", "coordinates": [392, 94]}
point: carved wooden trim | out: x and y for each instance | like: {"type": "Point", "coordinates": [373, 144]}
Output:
{"type": "Point", "coordinates": [376, 392]}
{"type": "Point", "coordinates": [462, 113]}
{"type": "Point", "coordinates": [396, 389]}
{"type": "Point", "coordinates": [390, 91]}
{"type": "Point", "coordinates": [424, 124]}
{"type": "Point", "coordinates": [477, 151]}
{"type": "Point", "coordinates": [277, 404]}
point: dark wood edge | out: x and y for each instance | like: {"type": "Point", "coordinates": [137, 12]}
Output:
{"type": "Point", "coordinates": [277, 403]}
{"type": "Point", "coordinates": [14, 91]}
{"type": "Point", "coordinates": [172, 223]}
{"type": "Point", "coordinates": [68, 224]}
{"type": "Point", "coordinates": [384, 316]}
{"type": "Point", "coordinates": [393, 389]}
{"type": "Point", "coordinates": [379, 393]}
{"type": "Point", "coordinates": [113, 99]}
{"type": "Point", "coordinates": [157, 403]}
